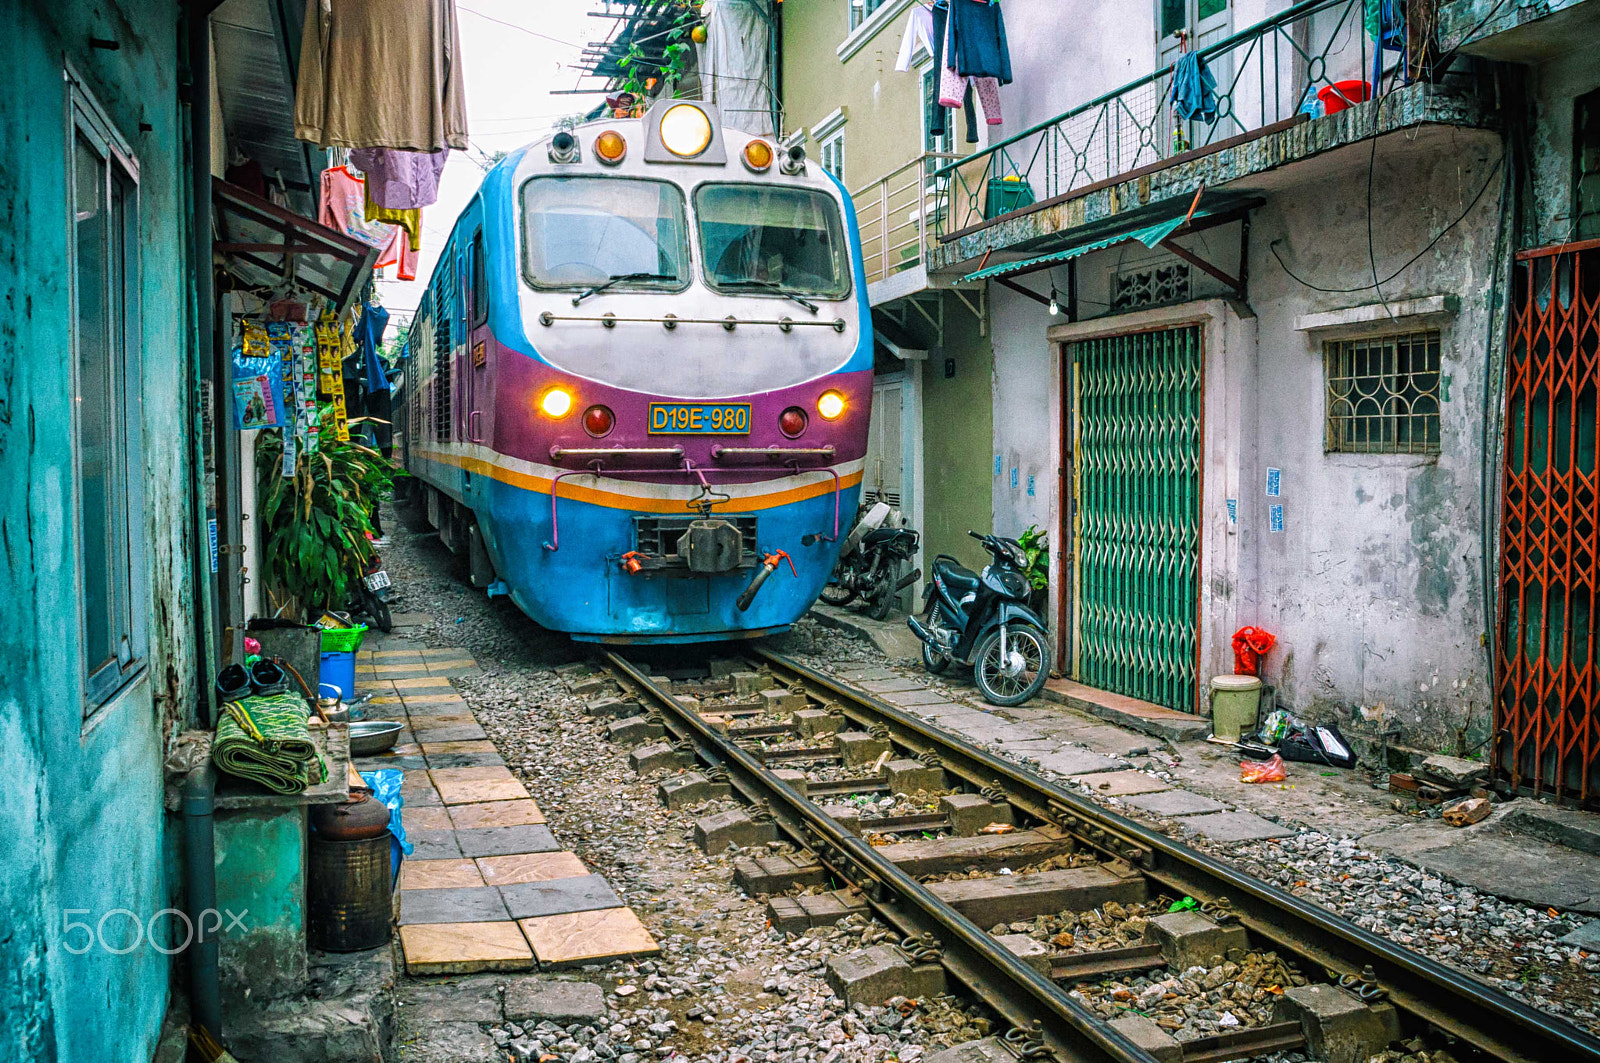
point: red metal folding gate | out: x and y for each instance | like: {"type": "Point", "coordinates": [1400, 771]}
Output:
{"type": "Point", "coordinates": [1547, 709]}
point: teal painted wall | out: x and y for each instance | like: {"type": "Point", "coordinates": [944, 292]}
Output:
{"type": "Point", "coordinates": [84, 826]}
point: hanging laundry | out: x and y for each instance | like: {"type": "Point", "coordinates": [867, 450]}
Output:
{"type": "Point", "coordinates": [409, 219]}
{"type": "Point", "coordinates": [976, 41]}
{"type": "Point", "coordinates": [381, 74]}
{"type": "Point", "coordinates": [953, 87]}
{"type": "Point", "coordinates": [344, 208]}
{"type": "Point", "coordinates": [1194, 90]}
{"type": "Point", "coordinates": [369, 337]}
{"type": "Point", "coordinates": [940, 16]}
{"type": "Point", "coordinates": [919, 33]}
{"type": "Point", "coordinates": [401, 180]}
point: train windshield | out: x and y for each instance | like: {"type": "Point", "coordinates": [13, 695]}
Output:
{"type": "Point", "coordinates": [584, 231]}
{"type": "Point", "coordinates": [764, 236]}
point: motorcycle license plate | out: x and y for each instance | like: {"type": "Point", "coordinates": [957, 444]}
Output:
{"type": "Point", "coordinates": [700, 418]}
{"type": "Point", "coordinates": [378, 581]}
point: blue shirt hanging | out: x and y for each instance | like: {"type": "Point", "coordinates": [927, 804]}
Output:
{"type": "Point", "coordinates": [368, 335]}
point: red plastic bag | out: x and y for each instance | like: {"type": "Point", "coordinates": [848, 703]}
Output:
{"type": "Point", "coordinates": [1263, 770]}
{"type": "Point", "coordinates": [1250, 644]}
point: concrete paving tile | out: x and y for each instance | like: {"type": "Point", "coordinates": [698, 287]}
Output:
{"type": "Point", "coordinates": [410, 763]}
{"type": "Point", "coordinates": [393, 672]}
{"type": "Point", "coordinates": [417, 790]}
{"type": "Point", "coordinates": [588, 937]}
{"type": "Point", "coordinates": [424, 707]}
{"type": "Point", "coordinates": [482, 746]}
{"type": "Point", "coordinates": [439, 874]}
{"type": "Point", "coordinates": [426, 818]}
{"type": "Point", "coordinates": [1077, 762]}
{"type": "Point", "coordinates": [522, 813]}
{"type": "Point", "coordinates": [464, 760]}
{"type": "Point", "coordinates": [393, 655]}
{"type": "Point", "coordinates": [464, 786]}
{"type": "Point", "coordinates": [583, 893]}
{"type": "Point", "coordinates": [942, 710]}
{"type": "Point", "coordinates": [908, 698]}
{"type": "Point", "coordinates": [1121, 783]}
{"type": "Point", "coordinates": [433, 845]}
{"type": "Point", "coordinates": [454, 668]}
{"type": "Point", "coordinates": [530, 867]}
{"type": "Point", "coordinates": [986, 728]}
{"type": "Point", "coordinates": [459, 732]}
{"type": "Point", "coordinates": [506, 841]}
{"type": "Point", "coordinates": [480, 904]}
{"type": "Point", "coordinates": [433, 721]}
{"type": "Point", "coordinates": [385, 699]}
{"type": "Point", "coordinates": [422, 683]}
{"type": "Point", "coordinates": [892, 686]}
{"type": "Point", "coordinates": [1176, 803]}
{"type": "Point", "coordinates": [461, 948]}
{"type": "Point", "coordinates": [474, 998]}
{"type": "Point", "coordinates": [1236, 827]}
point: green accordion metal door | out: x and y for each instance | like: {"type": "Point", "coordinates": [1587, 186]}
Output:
{"type": "Point", "coordinates": [1136, 472]}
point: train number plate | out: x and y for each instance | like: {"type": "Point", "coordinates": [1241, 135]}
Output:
{"type": "Point", "coordinates": [696, 418]}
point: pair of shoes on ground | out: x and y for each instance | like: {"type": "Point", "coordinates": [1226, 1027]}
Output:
{"type": "Point", "coordinates": [236, 682]}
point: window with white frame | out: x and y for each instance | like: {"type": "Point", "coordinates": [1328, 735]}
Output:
{"type": "Point", "coordinates": [102, 180]}
{"type": "Point", "coordinates": [861, 10]}
{"type": "Point", "coordinates": [1383, 394]}
{"type": "Point", "coordinates": [831, 154]}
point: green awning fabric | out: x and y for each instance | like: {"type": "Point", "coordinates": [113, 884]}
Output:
{"type": "Point", "coordinates": [1149, 236]}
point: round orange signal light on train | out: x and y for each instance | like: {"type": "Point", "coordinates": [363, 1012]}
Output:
{"type": "Point", "coordinates": [557, 402]}
{"type": "Point", "coordinates": [599, 421]}
{"type": "Point", "coordinates": [831, 405]}
{"type": "Point", "coordinates": [758, 156]}
{"type": "Point", "coordinates": [611, 147]}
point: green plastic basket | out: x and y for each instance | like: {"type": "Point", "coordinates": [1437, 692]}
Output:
{"type": "Point", "coordinates": [343, 639]}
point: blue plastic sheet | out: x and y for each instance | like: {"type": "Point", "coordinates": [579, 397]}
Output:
{"type": "Point", "coordinates": [386, 788]}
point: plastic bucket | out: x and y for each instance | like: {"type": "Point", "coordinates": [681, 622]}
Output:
{"type": "Point", "coordinates": [1342, 94]}
{"type": "Point", "coordinates": [339, 670]}
{"type": "Point", "coordinates": [1235, 701]}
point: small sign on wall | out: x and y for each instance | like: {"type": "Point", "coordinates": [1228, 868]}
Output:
{"type": "Point", "coordinates": [1013, 477]}
{"type": "Point", "coordinates": [1274, 483]}
{"type": "Point", "coordinates": [999, 463]}
{"type": "Point", "coordinates": [1030, 487]}
{"type": "Point", "coordinates": [1233, 513]}
{"type": "Point", "coordinates": [1275, 517]}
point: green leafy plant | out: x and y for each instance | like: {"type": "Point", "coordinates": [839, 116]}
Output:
{"type": "Point", "coordinates": [1036, 547]}
{"type": "Point", "coordinates": [314, 524]}
{"type": "Point", "coordinates": [639, 67]}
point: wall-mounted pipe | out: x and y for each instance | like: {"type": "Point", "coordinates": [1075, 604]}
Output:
{"type": "Point", "coordinates": [199, 802]}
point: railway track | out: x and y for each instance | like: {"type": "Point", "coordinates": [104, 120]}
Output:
{"type": "Point", "coordinates": [1361, 989]}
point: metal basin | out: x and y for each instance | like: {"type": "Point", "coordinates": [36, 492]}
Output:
{"type": "Point", "coordinates": [371, 737]}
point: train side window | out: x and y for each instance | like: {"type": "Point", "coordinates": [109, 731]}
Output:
{"type": "Point", "coordinates": [478, 281]}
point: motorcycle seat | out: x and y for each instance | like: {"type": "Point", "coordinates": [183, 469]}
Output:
{"type": "Point", "coordinates": [880, 535]}
{"type": "Point", "coordinates": [957, 578]}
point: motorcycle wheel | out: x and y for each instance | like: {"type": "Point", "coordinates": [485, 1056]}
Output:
{"type": "Point", "coordinates": [378, 609]}
{"type": "Point", "coordinates": [878, 606]}
{"type": "Point", "coordinates": [935, 662]}
{"type": "Point", "coordinates": [833, 594]}
{"type": "Point", "coordinates": [993, 676]}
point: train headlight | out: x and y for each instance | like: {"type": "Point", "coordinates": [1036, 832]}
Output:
{"type": "Point", "coordinates": [610, 147]}
{"type": "Point", "coordinates": [686, 130]}
{"type": "Point", "coordinates": [831, 405]}
{"type": "Point", "coordinates": [758, 156]}
{"type": "Point", "coordinates": [557, 402]}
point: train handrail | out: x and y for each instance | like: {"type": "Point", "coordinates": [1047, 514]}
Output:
{"type": "Point", "coordinates": [557, 452]}
{"type": "Point", "coordinates": [719, 451]}
{"type": "Point", "coordinates": [670, 321]}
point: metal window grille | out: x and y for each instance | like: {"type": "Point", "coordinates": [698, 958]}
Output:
{"type": "Point", "coordinates": [1383, 394]}
{"type": "Point", "coordinates": [1158, 286]}
{"type": "Point", "coordinates": [444, 306]}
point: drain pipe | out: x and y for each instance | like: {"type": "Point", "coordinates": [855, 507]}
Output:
{"type": "Point", "coordinates": [199, 795]}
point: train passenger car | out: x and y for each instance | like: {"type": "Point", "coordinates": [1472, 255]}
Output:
{"type": "Point", "coordinates": [641, 378]}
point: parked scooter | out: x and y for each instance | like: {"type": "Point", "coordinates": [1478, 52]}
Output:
{"type": "Point", "coordinates": [372, 595]}
{"type": "Point", "coordinates": [869, 564]}
{"type": "Point", "coordinates": [983, 620]}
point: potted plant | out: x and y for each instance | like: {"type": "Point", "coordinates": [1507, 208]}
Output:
{"type": "Point", "coordinates": [1036, 546]}
{"type": "Point", "coordinates": [315, 524]}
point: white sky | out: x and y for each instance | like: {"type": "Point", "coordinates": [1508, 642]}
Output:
{"type": "Point", "coordinates": [509, 75]}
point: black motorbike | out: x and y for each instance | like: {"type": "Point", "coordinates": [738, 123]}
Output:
{"type": "Point", "coordinates": [982, 619]}
{"type": "Point", "coordinates": [869, 568]}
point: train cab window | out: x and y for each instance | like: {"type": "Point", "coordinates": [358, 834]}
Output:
{"type": "Point", "coordinates": [478, 281]}
{"type": "Point", "coordinates": [761, 236]}
{"type": "Point", "coordinates": [584, 231]}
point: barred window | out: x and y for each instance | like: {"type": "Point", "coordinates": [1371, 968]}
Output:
{"type": "Point", "coordinates": [1383, 394]}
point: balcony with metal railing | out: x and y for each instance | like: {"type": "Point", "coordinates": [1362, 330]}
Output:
{"type": "Point", "coordinates": [1516, 30]}
{"type": "Point", "coordinates": [1305, 81]}
{"type": "Point", "coordinates": [896, 216]}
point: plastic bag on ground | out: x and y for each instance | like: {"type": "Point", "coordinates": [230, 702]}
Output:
{"type": "Point", "coordinates": [1263, 770]}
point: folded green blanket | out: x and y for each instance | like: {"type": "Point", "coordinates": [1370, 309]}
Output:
{"type": "Point", "coordinates": [265, 740]}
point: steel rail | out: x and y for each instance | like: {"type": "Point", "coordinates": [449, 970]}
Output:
{"type": "Point", "coordinates": [1425, 990]}
{"type": "Point", "coordinates": [1027, 999]}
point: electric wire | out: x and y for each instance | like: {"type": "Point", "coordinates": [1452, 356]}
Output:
{"type": "Point", "coordinates": [524, 29]}
{"type": "Point", "coordinates": [1273, 246]}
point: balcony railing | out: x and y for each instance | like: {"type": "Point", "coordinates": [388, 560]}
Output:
{"type": "Point", "coordinates": [895, 213]}
{"type": "Point", "coordinates": [1267, 74]}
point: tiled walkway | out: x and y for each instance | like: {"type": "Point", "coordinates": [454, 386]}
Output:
{"type": "Point", "coordinates": [489, 887]}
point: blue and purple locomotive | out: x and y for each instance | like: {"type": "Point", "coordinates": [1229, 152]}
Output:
{"type": "Point", "coordinates": [637, 390]}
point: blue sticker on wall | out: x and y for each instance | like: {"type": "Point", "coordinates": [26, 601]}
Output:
{"type": "Point", "coordinates": [211, 534]}
{"type": "Point", "coordinates": [1030, 487]}
{"type": "Point", "coordinates": [1275, 517]}
{"type": "Point", "coordinates": [999, 463]}
{"type": "Point", "coordinates": [1233, 511]}
{"type": "Point", "coordinates": [1013, 477]}
{"type": "Point", "coordinates": [1274, 483]}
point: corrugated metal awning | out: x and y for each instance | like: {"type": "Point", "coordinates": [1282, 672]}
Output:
{"type": "Point", "coordinates": [1150, 235]}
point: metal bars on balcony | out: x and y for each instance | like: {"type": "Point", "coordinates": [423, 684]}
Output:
{"type": "Point", "coordinates": [1268, 74]}
{"type": "Point", "coordinates": [895, 214]}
